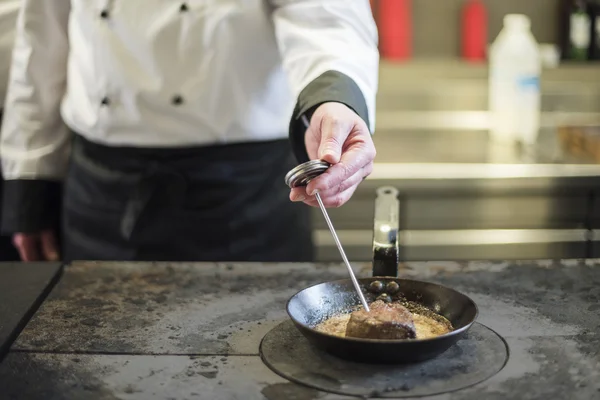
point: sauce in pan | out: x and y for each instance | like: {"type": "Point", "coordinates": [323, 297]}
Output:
{"type": "Point", "coordinates": [427, 323]}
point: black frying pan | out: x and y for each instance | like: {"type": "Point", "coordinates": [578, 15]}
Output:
{"type": "Point", "coordinates": [317, 303]}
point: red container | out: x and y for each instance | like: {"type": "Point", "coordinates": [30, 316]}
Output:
{"type": "Point", "coordinates": [395, 29]}
{"type": "Point", "coordinates": [474, 26]}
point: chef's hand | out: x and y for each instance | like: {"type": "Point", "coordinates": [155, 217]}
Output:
{"type": "Point", "coordinates": [339, 136]}
{"type": "Point", "coordinates": [36, 246]}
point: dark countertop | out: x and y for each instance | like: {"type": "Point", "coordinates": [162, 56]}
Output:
{"type": "Point", "coordinates": [23, 287]}
{"type": "Point", "coordinates": [192, 331]}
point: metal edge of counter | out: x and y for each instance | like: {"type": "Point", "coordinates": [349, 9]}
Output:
{"type": "Point", "coordinates": [467, 119]}
{"type": "Point", "coordinates": [471, 171]}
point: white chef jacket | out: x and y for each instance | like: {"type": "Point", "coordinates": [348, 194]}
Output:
{"type": "Point", "coordinates": [164, 73]}
{"type": "Point", "coordinates": [8, 21]}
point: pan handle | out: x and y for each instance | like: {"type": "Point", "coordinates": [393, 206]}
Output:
{"type": "Point", "coordinates": [386, 249]}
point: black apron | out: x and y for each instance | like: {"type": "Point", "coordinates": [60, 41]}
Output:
{"type": "Point", "coordinates": [7, 251]}
{"type": "Point", "coordinates": [216, 203]}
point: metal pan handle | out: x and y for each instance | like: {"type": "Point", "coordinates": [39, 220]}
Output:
{"type": "Point", "coordinates": [386, 249]}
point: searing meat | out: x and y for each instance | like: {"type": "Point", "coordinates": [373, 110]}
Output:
{"type": "Point", "coordinates": [385, 321]}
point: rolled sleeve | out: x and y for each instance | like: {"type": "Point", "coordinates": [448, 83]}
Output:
{"type": "Point", "coordinates": [329, 52]}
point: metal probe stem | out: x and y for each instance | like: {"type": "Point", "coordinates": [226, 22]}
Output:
{"type": "Point", "coordinates": [290, 178]}
{"type": "Point", "coordinates": [339, 246]}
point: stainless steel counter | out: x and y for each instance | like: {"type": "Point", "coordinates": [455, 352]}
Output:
{"type": "Point", "coordinates": [466, 197]}
{"type": "Point", "coordinates": [462, 195]}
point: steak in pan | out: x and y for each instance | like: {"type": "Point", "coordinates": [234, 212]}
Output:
{"type": "Point", "coordinates": [384, 321]}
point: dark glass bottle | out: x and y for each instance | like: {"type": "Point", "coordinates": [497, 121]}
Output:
{"type": "Point", "coordinates": [576, 30]}
{"type": "Point", "coordinates": [594, 13]}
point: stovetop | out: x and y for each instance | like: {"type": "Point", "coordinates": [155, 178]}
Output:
{"type": "Point", "coordinates": [193, 331]}
{"type": "Point", "coordinates": [477, 357]}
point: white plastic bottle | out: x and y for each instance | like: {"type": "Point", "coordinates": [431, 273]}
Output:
{"type": "Point", "coordinates": [514, 82]}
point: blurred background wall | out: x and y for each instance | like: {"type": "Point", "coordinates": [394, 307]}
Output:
{"type": "Point", "coordinates": [436, 23]}
{"type": "Point", "coordinates": [433, 143]}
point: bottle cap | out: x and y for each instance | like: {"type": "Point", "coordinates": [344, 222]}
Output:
{"type": "Point", "coordinates": [519, 21]}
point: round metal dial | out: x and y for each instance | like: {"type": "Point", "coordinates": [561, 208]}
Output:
{"type": "Point", "coordinates": [304, 173]}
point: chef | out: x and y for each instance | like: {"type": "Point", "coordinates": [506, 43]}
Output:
{"type": "Point", "coordinates": [8, 18]}
{"type": "Point", "coordinates": [167, 126]}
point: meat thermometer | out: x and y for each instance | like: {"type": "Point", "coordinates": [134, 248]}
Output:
{"type": "Point", "coordinates": [301, 176]}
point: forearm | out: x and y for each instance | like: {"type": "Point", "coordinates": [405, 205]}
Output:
{"type": "Point", "coordinates": [34, 141]}
{"type": "Point", "coordinates": [329, 51]}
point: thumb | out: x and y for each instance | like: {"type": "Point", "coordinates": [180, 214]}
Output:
{"type": "Point", "coordinates": [332, 139]}
{"type": "Point", "coordinates": [49, 247]}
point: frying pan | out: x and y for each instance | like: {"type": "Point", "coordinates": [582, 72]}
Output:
{"type": "Point", "coordinates": [315, 304]}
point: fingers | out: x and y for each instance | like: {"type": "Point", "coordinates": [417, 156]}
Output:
{"type": "Point", "coordinates": [36, 247]}
{"type": "Point", "coordinates": [298, 194]}
{"type": "Point", "coordinates": [353, 161]}
{"type": "Point", "coordinates": [358, 156]}
{"type": "Point", "coordinates": [348, 183]}
{"type": "Point", "coordinates": [49, 246]}
{"type": "Point", "coordinates": [28, 246]}
{"type": "Point", "coordinates": [337, 200]}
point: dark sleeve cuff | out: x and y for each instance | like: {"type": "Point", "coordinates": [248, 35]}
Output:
{"type": "Point", "coordinates": [331, 86]}
{"type": "Point", "coordinates": [30, 206]}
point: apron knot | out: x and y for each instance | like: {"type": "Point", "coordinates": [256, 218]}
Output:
{"type": "Point", "coordinates": [159, 186]}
